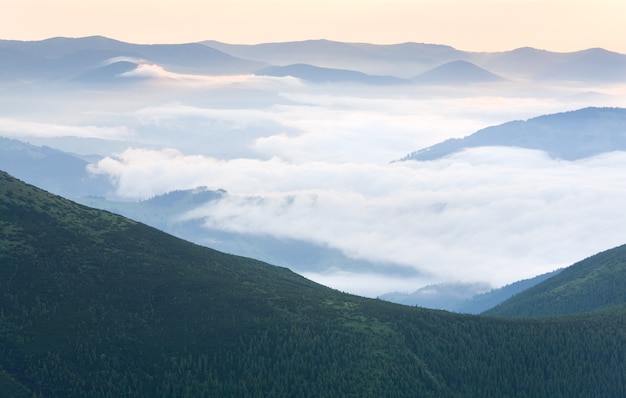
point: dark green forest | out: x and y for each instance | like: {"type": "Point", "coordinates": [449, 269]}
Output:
{"type": "Point", "coordinates": [595, 283]}
{"type": "Point", "coordinates": [96, 305]}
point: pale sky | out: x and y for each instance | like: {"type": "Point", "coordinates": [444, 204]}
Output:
{"type": "Point", "coordinates": [473, 25]}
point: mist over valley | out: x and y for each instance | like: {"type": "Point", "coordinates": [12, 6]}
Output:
{"type": "Point", "coordinates": [305, 157]}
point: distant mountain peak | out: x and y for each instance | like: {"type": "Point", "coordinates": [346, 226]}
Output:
{"type": "Point", "coordinates": [457, 72]}
{"type": "Point", "coordinates": [567, 135]}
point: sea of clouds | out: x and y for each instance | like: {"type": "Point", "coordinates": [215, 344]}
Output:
{"type": "Point", "coordinates": [316, 163]}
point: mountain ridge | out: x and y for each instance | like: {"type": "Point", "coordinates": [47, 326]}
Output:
{"type": "Point", "coordinates": [567, 135]}
{"type": "Point", "coordinates": [63, 58]}
{"type": "Point", "coordinates": [405, 60]}
{"type": "Point", "coordinates": [49, 58]}
{"type": "Point", "coordinates": [51, 169]}
{"type": "Point", "coordinates": [595, 283]}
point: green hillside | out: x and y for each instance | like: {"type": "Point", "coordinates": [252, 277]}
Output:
{"type": "Point", "coordinates": [596, 283]}
{"type": "Point", "coordinates": [96, 305]}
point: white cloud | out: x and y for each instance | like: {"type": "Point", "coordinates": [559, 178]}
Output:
{"type": "Point", "coordinates": [369, 285]}
{"type": "Point", "coordinates": [178, 114]}
{"type": "Point", "coordinates": [304, 162]}
{"type": "Point", "coordinates": [194, 81]}
{"type": "Point", "coordinates": [149, 71]}
{"type": "Point", "coordinates": [494, 214]}
{"type": "Point", "coordinates": [113, 60]}
{"type": "Point", "coordinates": [22, 128]}
{"type": "Point", "coordinates": [299, 124]}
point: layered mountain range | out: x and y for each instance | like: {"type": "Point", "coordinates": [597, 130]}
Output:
{"type": "Point", "coordinates": [99, 59]}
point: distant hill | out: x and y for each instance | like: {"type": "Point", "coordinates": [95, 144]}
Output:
{"type": "Point", "coordinates": [455, 73]}
{"type": "Point", "coordinates": [317, 74]}
{"type": "Point", "coordinates": [63, 58]}
{"type": "Point", "coordinates": [465, 298]}
{"type": "Point", "coordinates": [592, 65]}
{"type": "Point", "coordinates": [307, 51]}
{"type": "Point", "coordinates": [568, 135]}
{"type": "Point", "coordinates": [593, 284]}
{"type": "Point", "coordinates": [16, 63]}
{"type": "Point", "coordinates": [443, 296]}
{"type": "Point", "coordinates": [524, 62]}
{"type": "Point", "coordinates": [66, 58]}
{"type": "Point", "coordinates": [403, 60]}
{"type": "Point", "coordinates": [97, 305]}
{"type": "Point", "coordinates": [56, 171]}
{"type": "Point", "coordinates": [483, 301]}
{"type": "Point", "coordinates": [107, 74]}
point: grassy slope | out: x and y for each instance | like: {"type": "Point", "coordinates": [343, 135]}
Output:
{"type": "Point", "coordinates": [592, 284]}
{"type": "Point", "coordinates": [93, 304]}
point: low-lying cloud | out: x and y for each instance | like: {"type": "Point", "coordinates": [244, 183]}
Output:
{"type": "Point", "coordinates": [18, 128]}
{"type": "Point", "coordinates": [486, 214]}
{"type": "Point", "coordinates": [314, 163]}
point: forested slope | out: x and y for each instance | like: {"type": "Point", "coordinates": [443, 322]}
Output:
{"type": "Point", "coordinates": [595, 283]}
{"type": "Point", "coordinates": [96, 305]}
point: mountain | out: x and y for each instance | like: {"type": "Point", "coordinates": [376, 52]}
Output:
{"type": "Point", "coordinates": [317, 74]}
{"type": "Point", "coordinates": [465, 298]}
{"type": "Point", "coordinates": [568, 135]}
{"type": "Point", "coordinates": [405, 60]}
{"type": "Point", "coordinates": [16, 63]}
{"type": "Point", "coordinates": [524, 62]}
{"type": "Point", "coordinates": [457, 72]}
{"type": "Point", "coordinates": [483, 301]}
{"type": "Point", "coordinates": [402, 60]}
{"type": "Point", "coordinates": [56, 171]}
{"type": "Point", "coordinates": [318, 52]}
{"type": "Point", "coordinates": [594, 284]}
{"type": "Point", "coordinates": [61, 58]}
{"type": "Point", "coordinates": [443, 296]}
{"type": "Point", "coordinates": [66, 58]}
{"type": "Point", "coordinates": [97, 305]}
{"type": "Point", "coordinates": [591, 65]}
{"type": "Point", "coordinates": [107, 74]}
